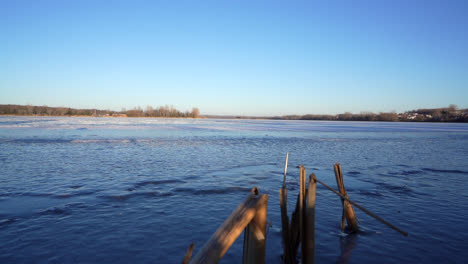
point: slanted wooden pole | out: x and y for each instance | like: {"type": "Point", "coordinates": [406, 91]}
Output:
{"type": "Point", "coordinates": [255, 237]}
{"type": "Point", "coordinates": [215, 248]}
{"type": "Point", "coordinates": [347, 207]}
{"type": "Point", "coordinates": [308, 243]}
{"type": "Point", "coordinates": [188, 255]}
{"type": "Point", "coordinates": [364, 209]}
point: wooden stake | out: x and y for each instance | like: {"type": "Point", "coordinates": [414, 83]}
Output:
{"type": "Point", "coordinates": [287, 235]}
{"type": "Point", "coordinates": [255, 237]}
{"type": "Point", "coordinates": [215, 248]}
{"type": "Point", "coordinates": [287, 257]}
{"type": "Point", "coordinates": [347, 207]}
{"type": "Point", "coordinates": [189, 254]}
{"type": "Point", "coordinates": [302, 198]}
{"type": "Point", "coordinates": [302, 205]}
{"type": "Point", "coordinates": [285, 169]}
{"type": "Point", "coordinates": [303, 184]}
{"type": "Point", "coordinates": [308, 243]}
{"type": "Point", "coordinates": [294, 231]}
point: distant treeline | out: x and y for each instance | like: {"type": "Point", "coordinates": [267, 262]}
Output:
{"type": "Point", "coordinates": [447, 114]}
{"type": "Point", "coordinates": [162, 111]}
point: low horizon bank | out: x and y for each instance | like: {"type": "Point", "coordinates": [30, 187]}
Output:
{"type": "Point", "coordinates": [445, 114]}
{"type": "Point", "coordinates": [161, 111]}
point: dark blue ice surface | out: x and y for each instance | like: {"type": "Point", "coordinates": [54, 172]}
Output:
{"type": "Point", "coordinates": [122, 190]}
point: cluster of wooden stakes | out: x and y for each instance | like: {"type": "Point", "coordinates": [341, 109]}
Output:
{"type": "Point", "coordinates": [251, 216]}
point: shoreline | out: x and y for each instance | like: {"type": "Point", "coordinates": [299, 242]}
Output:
{"type": "Point", "coordinates": [450, 114]}
{"type": "Point", "coordinates": [249, 118]}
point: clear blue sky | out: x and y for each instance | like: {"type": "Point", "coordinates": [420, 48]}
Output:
{"type": "Point", "coordinates": [235, 57]}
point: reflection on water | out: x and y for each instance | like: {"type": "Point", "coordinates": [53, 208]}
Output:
{"type": "Point", "coordinates": [347, 244]}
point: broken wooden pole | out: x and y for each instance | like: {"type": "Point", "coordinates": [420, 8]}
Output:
{"type": "Point", "coordinates": [255, 237]}
{"type": "Point", "coordinates": [348, 210]}
{"type": "Point", "coordinates": [287, 249]}
{"type": "Point", "coordinates": [287, 256]}
{"type": "Point", "coordinates": [215, 248]}
{"type": "Point", "coordinates": [294, 230]}
{"type": "Point", "coordinates": [301, 198]}
{"type": "Point", "coordinates": [308, 242]}
{"type": "Point", "coordinates": [364, 209]}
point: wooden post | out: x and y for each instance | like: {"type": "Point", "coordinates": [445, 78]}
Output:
{"type": "Point", "coordinates": [284, 216]}
{"type": "Point", "coordinates": [308, 243]}
{"type": "Point", "coordinates": [347, 207]}
{"type": "Point", "coordinates": [302, 198]}
{"type": "Point", "coordinates": [215, 248]}
{"type": "Point", "coordinates": [255, 237]}
{"type": "Point", "coordinates": [287, 257]}
{"type": "Point", "coordinates": [294, 231]}
{"type": "Point", "coordinates": [188, 255]}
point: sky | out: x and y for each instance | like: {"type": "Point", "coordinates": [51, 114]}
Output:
{"type": "Point", "coordinates": [235, 57]}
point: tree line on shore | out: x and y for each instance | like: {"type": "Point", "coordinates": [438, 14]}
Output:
{"type": "Point", "coordinates": [162, 111]}
{"type": "Point", "coordinates": [445, 114]}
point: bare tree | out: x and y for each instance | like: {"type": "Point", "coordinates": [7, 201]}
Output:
{"type": "Point", "coordinates": [453, 107]}
{"type": "Point", "coordinates": [195, 112]}
{"type": "Point", "coordinates": [149, 111]}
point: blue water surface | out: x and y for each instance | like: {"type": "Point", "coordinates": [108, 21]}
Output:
{"type": "Point", "coordinates": [123, 190]}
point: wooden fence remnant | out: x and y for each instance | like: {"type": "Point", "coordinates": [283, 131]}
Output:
{"type": "Point", "coordinates": [251, 216]}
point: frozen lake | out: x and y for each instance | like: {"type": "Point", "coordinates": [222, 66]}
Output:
{"type": "Point", "coordinates": [122, 190]}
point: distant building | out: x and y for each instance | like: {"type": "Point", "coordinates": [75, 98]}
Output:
{"type": "Point", "coordinates": [412, 116]}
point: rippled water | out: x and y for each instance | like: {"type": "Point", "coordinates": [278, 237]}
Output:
{"type": "Point", "coordinates": [110, 190]}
